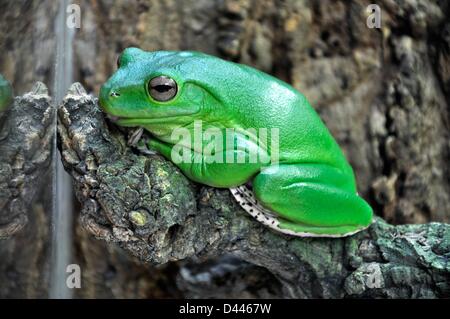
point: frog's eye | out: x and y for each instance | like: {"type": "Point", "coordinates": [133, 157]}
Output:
{"type": "Point", "coordinates": [162, 88]}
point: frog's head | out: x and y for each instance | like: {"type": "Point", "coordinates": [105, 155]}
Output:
{"type": "Point", "coordinates": [5, 93]}
{"type": "Point", "coordinates": [166, 89]}
{"type": "Point", "coordinates": [157, 87]}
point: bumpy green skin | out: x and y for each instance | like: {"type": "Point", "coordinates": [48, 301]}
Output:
{"type": "Point", "coordinates": [6, 95]}
{"type": "Point", "coordinates": [312, 189]}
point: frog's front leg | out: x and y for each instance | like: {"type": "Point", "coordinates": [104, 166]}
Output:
{"type": "Point", "coordinates": [217, 174]}
{"type": "Point", "coordinates": [312, 200]}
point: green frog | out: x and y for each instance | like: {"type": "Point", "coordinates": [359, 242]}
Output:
{"type": "Point", "coordinates": [308, 190]}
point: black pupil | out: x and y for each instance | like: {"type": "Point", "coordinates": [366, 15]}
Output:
{"type": "Point", "coordinates": [162, 88]}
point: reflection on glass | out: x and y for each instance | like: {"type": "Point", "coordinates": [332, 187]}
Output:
{"type": "Point", "coordinates": [5, 94]}
{"type": "Point", "coordinates": [27, 139]}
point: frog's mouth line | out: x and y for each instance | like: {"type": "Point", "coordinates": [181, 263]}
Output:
{"type": "Point", "coordinates": [113, 118]}
{"type": "Point", "coordinates": [127, 121]}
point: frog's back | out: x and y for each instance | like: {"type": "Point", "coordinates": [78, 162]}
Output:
{"type": "Point", "coordinates": [303, 137]}
{"type": "Point", "coordinates": [258, 100]}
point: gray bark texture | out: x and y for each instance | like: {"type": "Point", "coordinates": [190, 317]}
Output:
{"type": "Point", "coordinates": [27, 138]}
{"type": "Point", "coordinates": [144, 204]}
{"type": "Point", "coordinates": [27, 135]}
{"type": "Point", "coordinates": [27, 43]}
{"type": "Point", "coordinates": [26, 145]}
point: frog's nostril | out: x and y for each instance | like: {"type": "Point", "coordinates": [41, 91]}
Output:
{"type": "Point", "coordinates": [114, 94]}
{"type": "Point", "coordinates": [105, 98]}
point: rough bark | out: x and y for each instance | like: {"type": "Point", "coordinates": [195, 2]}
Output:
{"type": "Point", "coordinates": [26, 145]}
{"type": "Point", "coordinates": [145, 205]}
{"type": "Point", "coordinates": [27, 132]}
{"type": "Point", "coordinates": [27, 55]}
{"type": "Point", "coordinates": [27, 42]}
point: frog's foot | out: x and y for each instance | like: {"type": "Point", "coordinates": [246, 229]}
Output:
{"type": "Point", "coordinates": [135, 136]}
{"type": "Point", "coordinates": [246, 199]}
{"type": "Point", "coordinates": [139, 141]}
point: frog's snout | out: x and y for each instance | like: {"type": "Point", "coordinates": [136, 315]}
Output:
{"type": "Point", "coordinates": [108, 96]}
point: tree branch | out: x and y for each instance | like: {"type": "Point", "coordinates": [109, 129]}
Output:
{"type": "Point", "coordinates": [26, 146]}
{"type": "Point", "coordinates": [144, 204]}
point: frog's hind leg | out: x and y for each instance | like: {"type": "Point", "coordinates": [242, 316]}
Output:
{"type": "Point", "coordinates": [311, 200]}
{"type": "Point", "coordinates": [246, 199]}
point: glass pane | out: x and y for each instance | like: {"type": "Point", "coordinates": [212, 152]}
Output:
{"type": "Point", "coordinates": [27, 147]}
